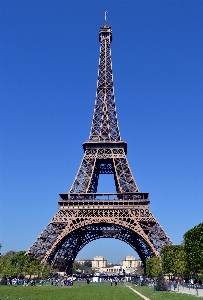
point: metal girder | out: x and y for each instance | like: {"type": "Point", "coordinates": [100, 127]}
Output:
{"type": "Point", "coordinates": [105, 123]}
{"type": "Point", "coordinates": [69, 231]}
{"type": "Point", "coordinates": [93, 164]}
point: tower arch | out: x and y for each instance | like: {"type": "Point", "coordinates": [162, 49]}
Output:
{"type": "Point", "coordinates": [63, 253]}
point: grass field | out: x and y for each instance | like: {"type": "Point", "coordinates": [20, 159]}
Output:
{"type": "Point", "coordinates": [82, 291]}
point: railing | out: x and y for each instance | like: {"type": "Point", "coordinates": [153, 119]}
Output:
{"type": "Point", "coordinates": [105, 196]}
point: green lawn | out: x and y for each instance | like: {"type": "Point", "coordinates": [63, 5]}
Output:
{"type": "Point", "coordinates": [79, 291]}
{"type": "Point", "coordinates": [82, 291]}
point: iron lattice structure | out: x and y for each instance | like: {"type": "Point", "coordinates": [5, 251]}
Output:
{"type": "Point", "coordinates": [82, 216]}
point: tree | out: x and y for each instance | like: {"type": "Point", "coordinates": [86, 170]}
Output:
{"type": "Point", "coordinates": [46, 270]}
{"type": "Point", "coordinates": [78, 268]}
{"type": "Point", "coordinates": [153, 266]}
{"type": "Point", "coordinates": [18, 262]}
{"type": "Point", "coordinates": [32, 266]}
{"type": "Point", "coordinates": [8, 268]}
{"type": "Point", "coordinates": [14, 264]}
{"type": "Point", "coordinates": [140, 270]}
{"type": "Point", "coordinates": [88, 264]}
{"type": "Point", "coordinates": [161, 285]}
{"type": "Point", "coordinates": [92, 272]}
{"type": "Point", "coordinates": [174, 260]}
{"type": "Point", "coordinates": [193, 244]}
{"type": "Point", "coordinates": [74, 268]}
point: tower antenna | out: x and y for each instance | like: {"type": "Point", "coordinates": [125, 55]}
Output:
{"type": "Point", "coordinates": [105, 20]}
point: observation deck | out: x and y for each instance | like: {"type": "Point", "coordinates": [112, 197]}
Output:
{"type": "Point", "coordinates": [104, 200]}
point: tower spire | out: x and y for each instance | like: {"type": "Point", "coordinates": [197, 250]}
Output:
{"type": "Point", "coordinates": [105, 123]}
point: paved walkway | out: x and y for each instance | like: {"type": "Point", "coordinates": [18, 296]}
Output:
{"type": "Point", "coordinates": [142, 296]}
{"type": "Point", "coordinates": [189, 291]}
{"type": "Point", "coordinates": [179, 289]}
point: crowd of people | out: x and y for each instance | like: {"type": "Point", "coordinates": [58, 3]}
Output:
{"type": "Point", "coordinates": [32, 282]}
{"type": "Point", "coordinates": [68, 281]}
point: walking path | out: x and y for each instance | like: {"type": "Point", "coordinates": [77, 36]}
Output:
{"type": "Point", "coordinates": [189, 291]}
{"type": "Point", "coordinates": [179, 289]}
{"type": "Point", "coordinates": [142, 296]}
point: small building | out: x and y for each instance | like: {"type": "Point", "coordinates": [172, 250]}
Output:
{"type": "Point", "coordinates": [81, 261]}
{"type": "Point", "coordinates": [112, 270]}
{"type": "Point", "coordinates": [99, 262]}
{"type": "Point", "coordinates": [131, 262]}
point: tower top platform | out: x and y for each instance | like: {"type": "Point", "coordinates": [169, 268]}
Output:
{"type": "Point", "coordinates": [105, 32]}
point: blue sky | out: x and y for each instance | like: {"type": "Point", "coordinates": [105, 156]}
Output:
{"type": "Point", "coordinates": [49, 64]}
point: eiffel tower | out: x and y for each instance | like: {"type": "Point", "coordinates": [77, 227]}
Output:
{"type": "Point", "coordinates": [83, 214]}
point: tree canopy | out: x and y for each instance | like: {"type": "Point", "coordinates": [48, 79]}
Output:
{"type": "Point", "coordinates": [174, 260]}
{"type": "Point", "coordinates": [153, 266]}
{"type": "Point", "coordinates": [193, 245]}
{"type": "Point", "coordinates": [16, 264]}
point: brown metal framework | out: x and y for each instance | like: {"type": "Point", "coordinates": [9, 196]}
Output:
{"type": "Point", "coordinates": [83, 214]}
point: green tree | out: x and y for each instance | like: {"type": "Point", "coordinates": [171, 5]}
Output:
{"type": "Point", "coordinates": [74, 268]}
{"type": "Point", "coordinates": [92, 272]}
{"type": "Point", "coordinates": [45, 271]}
{"type": "Point", "coordinates": [174, 260]}
{"type": "Point", "coordinates": [14, 264]}
{"type": "Point", "coordinates": [161, 285]}
{"type": "Point", "coordinates": [88, 264]}
{"type": "Point", "coordinates": [153, 266]}
{"type": "Point", "coordinates": [8, 268]}
{"type": "Point", "coordinates": [32, 266]}
{"type": "Point", "coordinates": [193, 244]}
{"type": "Point", "coordinates": [18, 262]}
{"type": "Point", "coordinates": [77, 267]}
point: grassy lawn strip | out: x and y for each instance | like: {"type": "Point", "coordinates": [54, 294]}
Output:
{"type": "Point", "coordinates": [77, 292]}
{"type": "Point", "coordinates": [151, 294]}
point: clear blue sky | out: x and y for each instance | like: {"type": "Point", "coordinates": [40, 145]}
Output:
{"type": "Point", "coordinates": [49, 63]}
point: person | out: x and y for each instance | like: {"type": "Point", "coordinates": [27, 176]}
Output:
{"type": "Point", "coordinates": [111, 281]}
